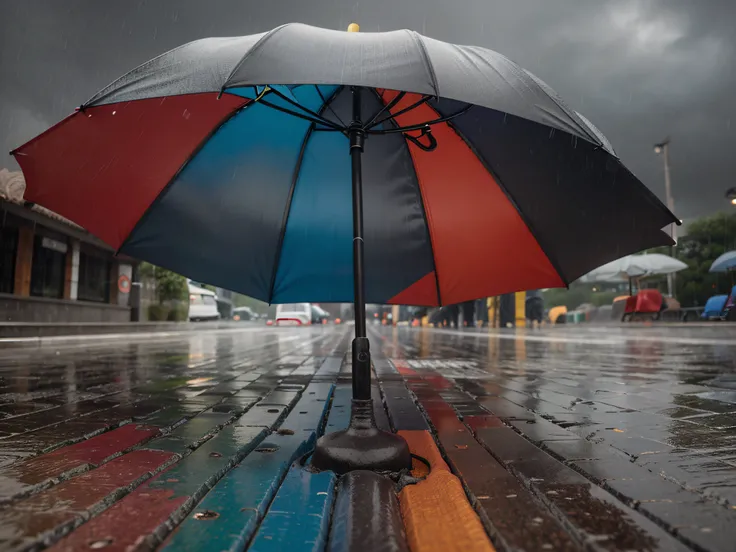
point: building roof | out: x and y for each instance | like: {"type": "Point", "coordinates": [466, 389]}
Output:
{"type": "Point", "coordinates": [12, 188]}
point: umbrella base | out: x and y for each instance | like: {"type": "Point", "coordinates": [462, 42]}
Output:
{"type": "Point", "coordinates": [362, 446]}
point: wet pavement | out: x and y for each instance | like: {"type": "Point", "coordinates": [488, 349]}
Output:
{"type": "Point", "coordinates": [565, 438]}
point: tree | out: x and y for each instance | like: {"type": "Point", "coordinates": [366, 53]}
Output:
{"type": "Point", "coordinates": [707, 238]}
{"type": "Point", "coordinates": [170, 286]}
{"type": "Point", "coordinates": [171, 293]}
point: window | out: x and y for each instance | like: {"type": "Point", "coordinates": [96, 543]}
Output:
{"type": "Point", "coordinates": [293, 307]}
{"type": "Point", "coordinates": [209, 300]}
{"type": "Point", "coordinates": [94, 278]}
{"type": "Point", "coordinates": [49, 267]}
{"type": "Point", "coordinates": [8, 254]}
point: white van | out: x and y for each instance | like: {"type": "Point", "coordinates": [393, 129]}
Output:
{"type": "Point", "coordinates": [294, 314]}
{"type": "Point", "coordinates": [202, 304]}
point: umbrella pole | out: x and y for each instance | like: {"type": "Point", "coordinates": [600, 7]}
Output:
{"type": "Point", "coordinates": [361, 347]}
{"type": "Point", "coordinates": [362, 446]}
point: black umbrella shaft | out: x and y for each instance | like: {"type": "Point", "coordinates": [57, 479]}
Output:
{"type": "Point", "coordinates": [357, 137]}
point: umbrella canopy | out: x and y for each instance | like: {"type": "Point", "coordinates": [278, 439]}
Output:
{"type": "Point", "coordinates": [724, 263]}
{"type": "Point", "coordinates": [226, 160]}
{"type": "Point", "coordinates": [635, 266]}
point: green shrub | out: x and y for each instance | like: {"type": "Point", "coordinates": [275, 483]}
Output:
{"type": "Point", "coordinates": [158, 313]}
{"type": "Point", "coordinates": [178, 313]}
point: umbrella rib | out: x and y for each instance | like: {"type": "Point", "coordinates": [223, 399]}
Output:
{"type": "Point", "coordinates": [330, 126]}
{"type": "Point", "coordinates": [325, 102]}
{"type": "Point", "coordinates": [287, 208]}
{"type": "Point", "coordinates": [422, 126]}
{"type": "Point", "coordinates": [416, 104]}
{"type": "Point", "coordinates": [317, 118]}
{"type": "Point", "coordinates": [386, 107]}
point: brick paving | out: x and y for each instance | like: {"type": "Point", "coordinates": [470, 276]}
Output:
{"type": "Point", "coordinates": [563, 439]}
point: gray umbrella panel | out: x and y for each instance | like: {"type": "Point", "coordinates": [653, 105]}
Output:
{"type": "Point", "coordinates": [295, 54]}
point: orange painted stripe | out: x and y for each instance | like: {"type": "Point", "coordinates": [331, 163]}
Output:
{"type": "Point", "coordinates": [437, 514]}
{"type": "Point", "coordinates": [482, 246]}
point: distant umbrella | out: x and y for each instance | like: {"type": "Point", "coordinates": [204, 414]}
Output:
{"type": "Point", "coordinates": [635, 266]}
{"type": "Point", "coordinates": [724, 263]}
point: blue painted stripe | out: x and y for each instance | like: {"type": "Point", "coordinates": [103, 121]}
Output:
{"type": "Point", "coordinates": [316, 256]}
{"type": "Point", "coordinates": [243, 495]}
{"type": "Point", "coordinates": [221, 218]}
{"type": "Point", "coordinates": [298, 519]}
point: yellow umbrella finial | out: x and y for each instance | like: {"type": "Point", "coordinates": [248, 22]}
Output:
{"type": "Point", "coordinates": [353, 28]}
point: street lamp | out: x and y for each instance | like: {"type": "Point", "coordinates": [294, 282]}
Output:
{"type": "Point", "coordinates": [731, 195]}
{"type": "Point", "coordinates": [663, 148]}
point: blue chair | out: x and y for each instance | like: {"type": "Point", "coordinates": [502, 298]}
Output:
{"type": "Point", "coordinates": [714, 307]}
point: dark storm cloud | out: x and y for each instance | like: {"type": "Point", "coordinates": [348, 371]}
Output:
{"type": "Point", "coordinates": [639, 69]}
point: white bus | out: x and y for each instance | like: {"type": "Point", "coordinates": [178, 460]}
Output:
{"type": "Point", "coordinates": [202, 304]}
{"type": "Point", "coordinates": [294, 314]}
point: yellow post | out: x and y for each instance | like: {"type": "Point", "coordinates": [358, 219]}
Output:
{"type": "Point", "coordinates": [353, 28]}
{"type": "Point", "coordinates": [520, 309]}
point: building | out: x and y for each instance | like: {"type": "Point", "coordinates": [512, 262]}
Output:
{"type": "Point", "coordinates": [52, 270]}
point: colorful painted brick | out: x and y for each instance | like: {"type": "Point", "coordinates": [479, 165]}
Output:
{"type": "Point", "coordinates": [299, 516]}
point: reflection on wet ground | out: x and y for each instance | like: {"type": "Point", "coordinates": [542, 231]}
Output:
{"type": "Point", "coordinates": [665, 397]}
{"type": "Point", "coordinates": [595, 438]}
{"type": "Point", "coordinates": [594, 421]}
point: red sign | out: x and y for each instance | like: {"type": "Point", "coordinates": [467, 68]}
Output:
{"type": "Point", "coordinates": [124, 284]}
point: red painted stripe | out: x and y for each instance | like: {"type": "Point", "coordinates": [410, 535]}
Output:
{"type": "Point", "coordinates": [126, 524]}
{"type": "Point", "coordinates": [421, 292]}
{"type": "Point", "coordinates": [90, 452]}
{"type": "Point", "coordinates": [62, 505]}
{"type": "Point", "coordinates": [103, 167]}
{"type": "Point", "coordinates": [482, 247]}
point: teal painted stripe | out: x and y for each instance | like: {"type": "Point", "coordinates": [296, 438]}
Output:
{"type": "Point", "coordinates": [299, 517]}
{"type": "Point", "coordinates": [240, 499]}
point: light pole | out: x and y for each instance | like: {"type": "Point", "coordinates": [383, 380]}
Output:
{"type": "Point", "coordinates": [663, 148]}
{"type": "Point", "coordinates": [731, 195]}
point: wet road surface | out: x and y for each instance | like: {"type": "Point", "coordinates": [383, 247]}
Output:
{"type": "Point", "coordinates": [565, 438]}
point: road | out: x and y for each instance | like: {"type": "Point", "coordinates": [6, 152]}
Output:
{"type": "Point", "coordinates": [611, 438]}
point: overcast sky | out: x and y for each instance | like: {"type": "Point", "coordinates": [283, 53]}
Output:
{"type": "Point", "coordinates": [640, 70]}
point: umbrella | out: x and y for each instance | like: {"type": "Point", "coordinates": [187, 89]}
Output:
{"type": "Point", "coordinates": [635, 266]}
{"type": "Point", "coordinates": [226, 159]}
{"type": "Point", "coordinates": [724, 263]}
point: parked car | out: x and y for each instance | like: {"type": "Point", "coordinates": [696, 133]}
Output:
{"type": "Point", "coordinates": [294, 314]}
{"type": "Point", "coordinates": [202, 304]}
{"type": "Point", "coordinates": [244, 314]}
